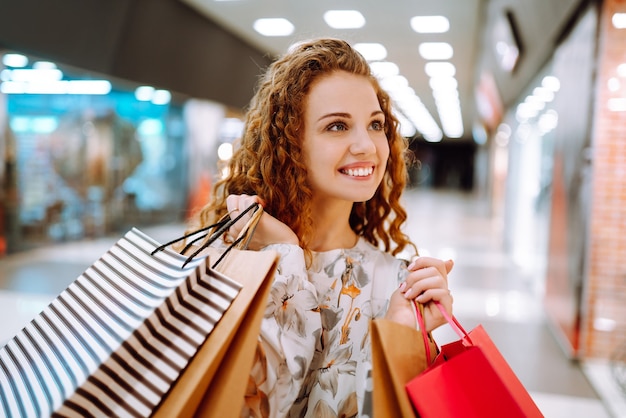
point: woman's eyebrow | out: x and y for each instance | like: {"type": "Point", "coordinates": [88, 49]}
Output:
{"type": "Point", "coordinates": [334, 115]}
{"type": "Point", "coordinates": [346, 115]}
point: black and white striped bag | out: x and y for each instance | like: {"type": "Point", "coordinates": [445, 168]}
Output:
{"type": "Point", "coordinates": [116, 340]}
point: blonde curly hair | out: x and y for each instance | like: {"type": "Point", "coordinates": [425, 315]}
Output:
{"type": "Point", "coordinates": [269, 160]}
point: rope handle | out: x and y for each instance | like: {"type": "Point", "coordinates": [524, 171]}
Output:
{"type": "Point", "coordinates": [219, 228]}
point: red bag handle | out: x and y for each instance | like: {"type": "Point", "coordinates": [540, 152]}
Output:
{"type": "Point", "coordinates": [452, 321]}
{"type": "Point", "coordinates": [422, 325]}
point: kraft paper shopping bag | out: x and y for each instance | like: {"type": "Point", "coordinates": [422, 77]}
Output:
{"type": "Point", "coordinates": [214, 383]}
{"type": "Point", "coordinates": [398, 355]}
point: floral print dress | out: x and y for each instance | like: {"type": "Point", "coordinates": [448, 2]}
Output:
{"type": "Point", "coordinates": [313, 357]}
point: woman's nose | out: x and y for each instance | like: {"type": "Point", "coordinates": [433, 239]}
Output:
{"type": "Point", "coordinates": [362, 143]}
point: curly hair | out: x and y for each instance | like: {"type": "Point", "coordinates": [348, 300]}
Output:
{"type": "Point", "coordinates": [269, 160]}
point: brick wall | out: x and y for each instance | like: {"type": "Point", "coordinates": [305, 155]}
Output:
{"type": "Point", "coordinates": [604, 316]}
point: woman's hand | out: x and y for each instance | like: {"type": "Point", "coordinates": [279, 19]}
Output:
{"type": "Point", "coordinates": [269, 230]}
{"type": "Point", "coordinates": [426, 282]}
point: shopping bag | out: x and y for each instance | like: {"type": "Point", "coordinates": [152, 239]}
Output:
{"type": "Point", "coordinates": [215, 382]}
{"type": "Point", "coordinates": [118, 340]}
{"type": "Point", "coordinates": [399, 353]}
{"type": "Point", "coordinates": [470, 378]}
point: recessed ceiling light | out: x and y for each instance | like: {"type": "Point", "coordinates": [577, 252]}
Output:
{"type": "Point", "coordinates": [435, 50]}
{"type": "Point", "coordinates": [15, 60]}
{"type": "Point", "coordinates": [443, 83]}
{"type": "Point", "coordinates": [344, 19]}
{"type": "Point", "coordinates": [430, 24]}
{"type": "Point", "coordinates": [372, 51]}
{"type": "Point", "coordinates": [619, 20]}
{"type": "Point", "coordinates": [551, 82]}
{"type": "Point", "coordinates": [273, 26]}
{"type": "Point", "coordinates": [440, 68]}
{"type": "Point", "coordinates": [384, 69]}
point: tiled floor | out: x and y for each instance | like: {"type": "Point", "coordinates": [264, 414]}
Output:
{"type": "Point", "coordinates": [488, 288]}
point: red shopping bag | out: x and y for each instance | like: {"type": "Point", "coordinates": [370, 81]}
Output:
{"type": "Point", "coordinates": [470, 378]}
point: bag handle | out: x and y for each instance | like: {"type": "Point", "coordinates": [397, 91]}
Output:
{"type": "Point", "coordinates": [220, 227]}
{"type": "Point", "coordinates": [454, 323]}
{"type": "Point", "coordinates": [427, 336]}
{"type": "Point", "coordinates": [245, 235]}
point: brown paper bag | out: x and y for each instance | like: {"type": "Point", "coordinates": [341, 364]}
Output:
{"type": "Point", "coordinates": [215, 381]}
{"type": "Point", "coordinates": [398, 355]}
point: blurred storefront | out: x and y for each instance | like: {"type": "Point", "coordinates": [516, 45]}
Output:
{"type": "Point", "coordinates": [84, 156]}
{"type": "Point", "coordinates": [558, 179]}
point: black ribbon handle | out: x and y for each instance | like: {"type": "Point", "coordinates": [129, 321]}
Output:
{"type": "Point", "coordinates": [222, 226]}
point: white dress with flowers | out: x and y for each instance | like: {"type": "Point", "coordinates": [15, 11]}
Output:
{"type": "Point", "coordinates": [314, 356]}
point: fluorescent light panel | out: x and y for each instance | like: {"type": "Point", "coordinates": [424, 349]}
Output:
{"type": "Point", "coordinates": [440, 68]}
{"type": "Point", "coordinates": [15, 60]}
{"type": "Point", "coordinates": [383, 69]}
{"type": "Point", "coordinates": [273, 26]}
{"type": "Point", "coordinates": [372, 51]}
{"type": "Point", "coordinates": [344, 19]}
{"type": "Point", "coordinates": [436, 50]}
{"type": "Point", "coordinates": [430, 24]}
{"type": "Point", "coordinates": [619, 20]}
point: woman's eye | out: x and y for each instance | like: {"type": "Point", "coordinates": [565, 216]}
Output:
{"type": "Point", "coordinates": [378, 125]}
{"type": "Point", "coordinates": [337, 126]}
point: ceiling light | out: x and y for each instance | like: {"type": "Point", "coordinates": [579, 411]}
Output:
{"type": "Point", "coordinates": [273, 26]}
{"type": "Point", "coordinates": [449, 109]}
{"type": "Point", "coordinates": [31, 75]}
{"type": "Point", "coordinates": [14, 60]}
{"type": "Point", "coordinates": [384, 69]}
{"type": "Point", "coordinates": [551, 82]}
{"type": "Point", "coordinates": [407, 129]}
{"type": "Point", "coordinates": [144, 93]}
{"type": "Point", "coordinates": [344, 19]}
{"type": "Point", "coordinates": [394, 84]}
{"type": "Point", "coordinates": [548, 121]}
{"type": "Point", "coordinates": [100, 87]}
{"type": "Point", "coordinates": [44, 65]}
{"type": "Point", "coordinates": [435, 50]}
{"type": "Point", "coordinates": [161, 97]}
{"type": "Point", "coordinates": [443, 83]}
{"type": "Point", "coordinates": [436, 69]}
{"type": "Point", "coordinates": [430, 24]}
{"type": "Point", "coordinates": [544, 94]}
{"type": "Point", "coordinates": [372, 51]}
{"type": "Point", "coordinates": [619, 20]}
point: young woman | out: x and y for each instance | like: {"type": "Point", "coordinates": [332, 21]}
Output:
{"type": "Point", "coordinates": [322, 153]}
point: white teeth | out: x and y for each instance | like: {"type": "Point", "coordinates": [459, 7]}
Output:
{"type": "Point", "coordinates": [359, 172]}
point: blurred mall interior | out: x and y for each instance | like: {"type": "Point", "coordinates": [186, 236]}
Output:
{"type": "Point", "coordinates": [101, 132]}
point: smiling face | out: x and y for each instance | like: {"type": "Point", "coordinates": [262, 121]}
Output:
{"type": "Point", "coordinates": [344, 142]}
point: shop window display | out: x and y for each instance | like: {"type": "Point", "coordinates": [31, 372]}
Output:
{"type": "Point", "coordinates": [78, 165]}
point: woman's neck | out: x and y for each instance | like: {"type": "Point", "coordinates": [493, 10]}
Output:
{"type": "Point", "coordinates": [331, 230]}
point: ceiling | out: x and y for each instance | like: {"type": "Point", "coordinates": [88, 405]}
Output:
{"type": "Point", "coordinates": [387, 25]}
